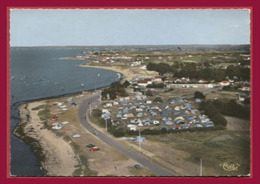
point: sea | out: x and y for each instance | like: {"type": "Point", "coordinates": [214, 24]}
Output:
{"type": "Point", "coordinates": [39, 73]}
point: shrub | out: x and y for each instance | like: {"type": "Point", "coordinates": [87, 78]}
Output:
{"type": "Point", "coordinates": [218, 119]}
{"type": "Point", "coordinates": [149, 93]}
{"type": "Point", "coordinates": [158, 99]}
{"type": "Point", "coordinates": [199, 94]}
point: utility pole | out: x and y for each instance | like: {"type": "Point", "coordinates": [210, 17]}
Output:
{"type": "Point", "coordinates": [90, 111]}
{"type": "Point", "coordinates": [106, 124]}
{"type": "Point", "coordinates": [100, 97]}
{"type": "Point", "coordinates": [139, 141]}
{"type": "Point", "coordinates": [200, 166]}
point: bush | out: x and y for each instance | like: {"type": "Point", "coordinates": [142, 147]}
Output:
{"type": "Point", "coordinates": [96, 113]}
{"type": "Point", "coordinates": [126, 83]}
{"type": "Point", "coordinates": [158, 99]}
{"type": "Point", "coordinates": [213, 112]}
{"type": "Point", "coordinates": [153, 85]}
{"type": "Point", "coordinates": [117, 132]}
{"type": "Point", "coordinates": [247, 101]}
{"type": "Point", "coordinates": [149, 93]}
{"type": "Point", "coordinates": [199, 94]}
{"type": "Point", "coordinates": [218, 119]}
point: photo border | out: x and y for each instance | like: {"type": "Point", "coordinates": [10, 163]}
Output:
{"type": "Point", "coordinates": [6, 5]}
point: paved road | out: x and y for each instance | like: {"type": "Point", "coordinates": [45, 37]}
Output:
{"type": "Point", "coordinates": [204, 92]}
{"type": "Point", "coordinates": [155, 168]}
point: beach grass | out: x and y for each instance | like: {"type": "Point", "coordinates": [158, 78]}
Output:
{"type": "Point", "coordinates": [33, 143]}
{"type": "Point", "coordinates": [39, 107]}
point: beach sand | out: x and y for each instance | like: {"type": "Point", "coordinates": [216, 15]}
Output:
{"type": "Point", "coordinates": [60, 157]}
{"type": "Point", "coordinates": [128, 73]}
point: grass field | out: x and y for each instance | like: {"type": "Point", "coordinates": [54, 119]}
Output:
{"type": "Point", "coordinates": [215, 148]}
{"type": "Point", "coordinates": [222, 94]}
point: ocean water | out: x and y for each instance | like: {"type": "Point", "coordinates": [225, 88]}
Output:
{"type": "Point", "coordinates": [38, 73]}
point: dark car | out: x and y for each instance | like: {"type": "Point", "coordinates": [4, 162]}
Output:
{"type": "Point", "coordinates": [90, 145]}
{"type": "Point", "coordinates": [138, 167]}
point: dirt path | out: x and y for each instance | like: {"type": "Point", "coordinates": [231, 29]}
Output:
{"type": "Point", "coordinates": [237, 124]}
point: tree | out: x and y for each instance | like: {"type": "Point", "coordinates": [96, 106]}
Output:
{"type": "Point", "coordinates": [218, 119]}
{"type": "Point", "coordinates": [158, 99]}
{"type": "Point", "coordinates": [247, 101]}
{"type": "Point", "coordinates": [126, 83]}
{"type": "Point", "coordinates": [149, 93]}
{"type": "Point", "coordinates": [96, 113]}
{"type": "Point", "coordinates": [199, 94]}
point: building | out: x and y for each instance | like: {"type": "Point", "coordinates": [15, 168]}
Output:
{"type": "Point", "coordinates": [225, 83]}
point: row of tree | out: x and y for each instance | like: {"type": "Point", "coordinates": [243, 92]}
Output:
{"type": "Point", "coordinates": [120, 132]}
{"type": "Point", "coordinates": [232, 108]}
{"type": "Point", "coordinates": [194, 70]}
{"type": "Point", "coordinates": [156, 85]}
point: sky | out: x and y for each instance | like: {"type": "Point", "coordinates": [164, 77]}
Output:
{"type": "Point", "coordinates": [96, 27]}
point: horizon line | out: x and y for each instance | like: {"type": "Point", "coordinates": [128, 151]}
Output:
{"type": "Point", "coordinates": [137, 45]}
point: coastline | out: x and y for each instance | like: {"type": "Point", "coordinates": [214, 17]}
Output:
{"type": "Point", "coordinates": [55, 164]}
{"type": "Point", "coordinates": [55, 154]}
{"type": "Point", "coordinates": [127, 73]}
{"type": "Point", "coordinates": [41, 149]}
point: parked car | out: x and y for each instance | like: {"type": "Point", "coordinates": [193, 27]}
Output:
{"type": "Point", "coordinates": [90, 145]}
{"type": "Point", "coordinates": [75, 134]}
{"type": "Point", "coordinates": [94, 149]}
{"type": "Point", "coordinates": [198, 125]}
{"type": "Point", "coordinates": [138, 167]}
{"type": "Point", "coordinates": [185, 126]}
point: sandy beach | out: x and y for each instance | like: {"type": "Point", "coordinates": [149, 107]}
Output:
{"type": "Point", "coordinates": [60, 157]}
{"type": "Point", "coordinates": [128, 73]}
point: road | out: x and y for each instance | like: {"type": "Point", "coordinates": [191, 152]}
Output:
{"type": "Point", "coordinates": [155, 168]}
{"type": "Point", "coordinates": [204, 92]}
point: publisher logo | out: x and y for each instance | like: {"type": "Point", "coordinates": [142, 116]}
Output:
{"type": "Point", "coordinates": [230, 166]}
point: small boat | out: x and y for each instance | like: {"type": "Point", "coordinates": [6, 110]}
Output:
{"type": "Point", "coordinates": [82, 85]}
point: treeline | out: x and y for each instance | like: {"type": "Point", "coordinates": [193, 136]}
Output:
{"type": "Point", "coordinates": [115, 89]}
{"type": "Point", "coordinates": [200, 71]}
{"type": "Point", "coordinates": [154, 85]}
{"type": "Point", "coordinates": [232, 108]}
{"type": "Point", "coordinates": [215, 108]}
{"type": "Point", "coordinates": [120, 132]}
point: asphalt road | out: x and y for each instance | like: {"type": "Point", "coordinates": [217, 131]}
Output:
{"type": "Point", "coordinates": [155, 168]}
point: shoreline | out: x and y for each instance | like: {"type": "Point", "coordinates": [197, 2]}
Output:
{"type": "Point", "coordinates": [33, 142]}
{"type": "Point", "coordinates": [127, 73]}
{"type": "Point", "coordinates": [55, 155]}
